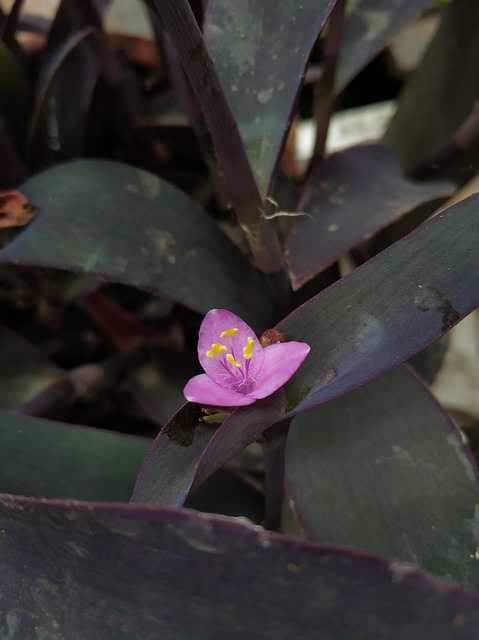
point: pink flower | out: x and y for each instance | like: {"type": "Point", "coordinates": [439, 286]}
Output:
{"type": "Point", "coordinates": [238, 370]}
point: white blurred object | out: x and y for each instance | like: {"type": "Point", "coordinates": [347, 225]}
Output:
{"type": "Point", "coordinates": [123, 17]}
{"type": "Point", "coordinates": [347, 128]}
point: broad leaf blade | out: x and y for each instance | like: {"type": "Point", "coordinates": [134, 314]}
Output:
{"type": "Point", "coordinates": [369, 27]}
{"type": "Point", "coordinates": [120, 571]}
{"type": "Point", "coordinates": [54, 460]}
{"type": "Point", "coordinates": [260, 48]}
{"type": "Point", "coordinates": [384, 470]}
{"type": "Point", "coordinates": [188, 450]}
{"type": "Point", "coordinates": [388, 309]}
{"type": "Point", "coordinates": [353, 195]}
{"type": "Point", "coordinates": [126, 225]}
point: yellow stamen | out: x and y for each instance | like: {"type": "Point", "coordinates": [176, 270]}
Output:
{"type": "Point", "coordinates": [228, 332]}
{"type": "Point", "coordinates": [232, 361]}
{"type": "Point", "coordinates": [216, 350]}
{"type": "Point", "coordinates": [248, 349]}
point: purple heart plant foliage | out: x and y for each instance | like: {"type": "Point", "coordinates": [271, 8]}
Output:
{"type": "Point", "coordinates": [311, 485]}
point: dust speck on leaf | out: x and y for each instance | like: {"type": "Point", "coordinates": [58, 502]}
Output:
{"type": "Point", "coordinates": [120, 264]}
{"type": "Point", "coordinates": [150, 185]}
{"type": "Point", "coordinates": [265, 96]}
{"type": "Point", "coordinates": [163, 242]}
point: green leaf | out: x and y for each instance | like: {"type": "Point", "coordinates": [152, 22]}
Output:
{"type": "Point", "coordinates": [48, 459]}
{"type": "Point", "coordinates": [126, 225]}
{"type": "Point", "coordinates": [388, 309]}
{"type": "Point", "coordinates": [82, 570]}
{"type": "Point", "coordinates": [384, 470]}
{"type": "Point", "coordinates": [260, 48]}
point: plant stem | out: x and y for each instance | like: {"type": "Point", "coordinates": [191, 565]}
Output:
{"type": "Point", "coordinates": [324, 88]}
{"type": "Point", "coordinates": [274, 445]}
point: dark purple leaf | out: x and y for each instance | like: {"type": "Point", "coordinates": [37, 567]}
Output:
{"type": "Point", "coordinates": [126, 225]}
{"type": "Point", "coordinates": [10, 23]}
{"type": "Point", "coordinates": [180, 23]}
{"type": "Point", "coordinates": [440, 95]}
{"type": "Point", "coordinates": [188, 450]}
{"type": "Point", "coordinates": [352, 195]}
{"type": "Point", "coordinates": [388, 309]}
{"type": "Point", "coordinates": [81, 570]}
{"type": "Point", "coordinates": [369, 27]}
{"type": "Point", "coordinates": [68, 79]}
{"type": "Point", "coordinates": [383, 469]}
{"type": "Point", "coordinates": [55, 460]}
{"type": "Point", "coordinates": [260, 49]}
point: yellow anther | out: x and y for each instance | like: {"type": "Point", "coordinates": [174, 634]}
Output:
{"type": "Point", "coordinates": [232, 361]}
{"type": "Point", "coordinates": [228, 332]}
{"type": "Point", "coordinates": [216, 350]}
{"type": "Point", "coordinates": [248, 349]}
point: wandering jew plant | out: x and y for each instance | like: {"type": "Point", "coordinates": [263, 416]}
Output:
{"type": "Point", "coordinates": [239, 370]}
{"type": "Point", "coordinates": [311, 486]}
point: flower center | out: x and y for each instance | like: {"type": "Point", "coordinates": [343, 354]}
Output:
{"type": "Point", "coordinates": [235, 360]}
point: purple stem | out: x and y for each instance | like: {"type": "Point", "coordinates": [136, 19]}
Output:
{"type": "Point", "coordinates": [274, 446]}
{"type": "Point", "coordinates": [324, 89]}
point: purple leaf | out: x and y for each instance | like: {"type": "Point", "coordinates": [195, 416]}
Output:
{"type": "Point", "coordinates": [238, 369]}
{"type": "Point", "coordinates": [260, 49]}
{"type": "Point", "coordinates": [353, 195]}
{"type": "Point", "coordinates": [395, 477]}
{"type": "Point", "coordinates": [188, 450]}
{"type": "Point", "coordinates": [89, 222]}
{"type": "Point", "coordinates": [388, 309]}
{"type": "Point", "coordinates": [367, 30]}
{"type": "Point", "coordinates": [83, 570]}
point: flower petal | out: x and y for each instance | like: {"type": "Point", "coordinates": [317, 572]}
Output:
{"type": "Point", "coordinates": [204, 390]}
{"type": "Point", "coordinates": [281, 361]}
{"type": "Point", "coordinates": [215, 323]}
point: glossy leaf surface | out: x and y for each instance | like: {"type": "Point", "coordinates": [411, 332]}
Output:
{"type": "Point", "coordinates": [353, 195]}
{"type": "Point", "coordinates": [368, 28]}
{"type": "Point", "coordinates": [49, 459]}
{"type": "Point", "coordinates": [260, 48]}
{"type": "Point", "coordinates": [384, 470]}
{"type": "Point", "coordinates": [188, 450]}
{"type": "Point", "coordinates": [97, 571]}
{"type": "Point", "coordinates": [126, 225]}
{"type": "Point", "coordinates": [388, 309]}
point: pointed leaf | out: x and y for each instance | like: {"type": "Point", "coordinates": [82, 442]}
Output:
{"type": "Point", "coordinates": [369, 27]}
{"type": "Point", "coordinates": [127, 225]}
{"type": "Point", "coordinates": [384, 470]}
{"type": "Point", "coordinates": [388, 309]}
{"type": "Point", "coordinates": [188, 450]}
{"type": "Point", "coordinates": [82, 570]}
{"type": "Point", "coordinates": [54, 460]}
{"type": "Point", "coordinates": [353, 195]}
{"type": "Point", "coordinates": [260, 48]}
